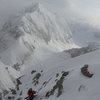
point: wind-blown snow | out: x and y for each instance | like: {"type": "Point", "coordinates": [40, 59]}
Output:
{"type": "Point", "coordinates": [22, 34]}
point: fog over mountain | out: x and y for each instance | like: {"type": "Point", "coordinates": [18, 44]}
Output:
{"type": "Point", "coordinates": [80, 6]}
{"type": "Point", "coordinates": [51, 46]}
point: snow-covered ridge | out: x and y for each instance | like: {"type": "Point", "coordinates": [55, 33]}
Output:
{"type": "Point", "coordinates": [81, 51]}
{"type": "Point", "coordinates": [38, 21]}
{"type": "Point", "coordinates": [46, 25]}
{"type": "Point", "coordinates": [7, 76]}
{"type": "Point", "coordinates": [35, 27]}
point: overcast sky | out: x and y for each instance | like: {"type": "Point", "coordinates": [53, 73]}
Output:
{"type": "Point", "coordinates": [86, 7]}
{"type": "Point", "coordinates": [11, 6]}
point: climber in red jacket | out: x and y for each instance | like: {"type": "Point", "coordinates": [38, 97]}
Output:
{"type": "Point", "coordinates": [31, 94]}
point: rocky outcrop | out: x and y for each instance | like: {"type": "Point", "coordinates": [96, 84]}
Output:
{"type": "Point", "coordinates": [85, 71]}
{"type": "Point", "coordinates": [58, 85]}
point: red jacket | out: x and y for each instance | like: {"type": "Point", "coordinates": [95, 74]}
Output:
{"type": "Point", "coordinates": [30, 94]}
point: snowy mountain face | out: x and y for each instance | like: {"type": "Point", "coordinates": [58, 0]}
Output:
{"type": "Point", "coordinates": [22, 34]}
{"type": "Point", "coordinates": [37, 50]}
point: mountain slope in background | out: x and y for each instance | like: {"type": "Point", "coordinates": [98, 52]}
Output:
{"type": "Point", "coordinates": [23, 34]}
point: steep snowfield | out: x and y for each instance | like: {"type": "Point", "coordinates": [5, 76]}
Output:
{"type": "Point", "coordinates": [76, 86]}
{"type": "Point", "coordinates": [7, 76]}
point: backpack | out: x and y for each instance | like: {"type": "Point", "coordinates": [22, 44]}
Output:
{"type": "Point", "coordinates": [29, 91]}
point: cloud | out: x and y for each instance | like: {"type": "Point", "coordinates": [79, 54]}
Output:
{"type": "Point", "coordinates": [82, 7]}
{"type": "Point", "coordinates": [9, 7]}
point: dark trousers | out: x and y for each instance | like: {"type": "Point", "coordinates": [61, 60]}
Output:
{"type": "Point", "coordinates": [31, 98]}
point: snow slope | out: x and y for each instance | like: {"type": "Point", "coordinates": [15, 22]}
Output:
{"type": "Point", "coordinates": [7, 77]}
{"type": "Point", "coordinates": [76, 86]}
